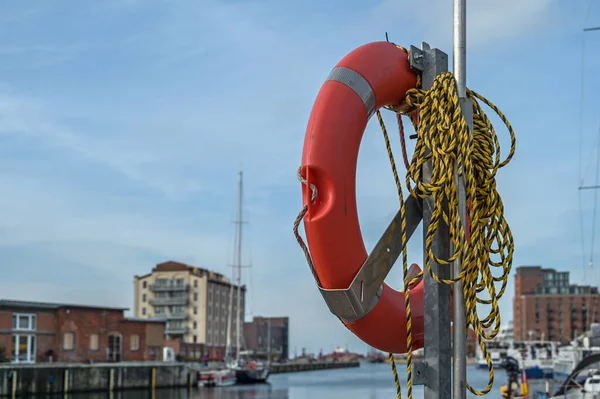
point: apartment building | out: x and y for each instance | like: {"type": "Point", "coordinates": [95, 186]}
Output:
{"type": "Point", "coordinates": [194, 301]}
{"type": "Point", "coordinates": [262, 329]}
{"type": "Point", "coordinates": [547, 306]}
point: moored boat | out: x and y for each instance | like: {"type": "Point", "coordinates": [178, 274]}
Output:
{"type": "Point", "coordinates": [216, 378]}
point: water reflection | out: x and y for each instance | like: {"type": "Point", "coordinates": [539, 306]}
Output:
{"type": "Point", "coordinates": [265, 391]}
{"type": "Point", "coordinates": [367, 382]}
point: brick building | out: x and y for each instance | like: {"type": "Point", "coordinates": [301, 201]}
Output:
{"type": "Point", "coordinates": [33, 332]}
{"type": "Point", "coordinates": [546, 306]}
{"type": "Point", "coordinates": [196, 303]}
{"type": "Point", "coordinates": [261, 329]}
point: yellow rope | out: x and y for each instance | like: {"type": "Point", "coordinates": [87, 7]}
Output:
{"type": "Point", "coordinates": [445, 140]}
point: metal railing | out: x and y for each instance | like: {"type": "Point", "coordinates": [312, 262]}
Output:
{"type": "Point", "coordinates": [170, 286]}
{"type": "Point", "coordinates": [176, 330]}
{"type": "Point", "coordinates": [175, 301]}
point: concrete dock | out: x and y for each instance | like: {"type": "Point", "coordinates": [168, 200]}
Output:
{"type": "Point", "coordinates": [23, 380]}
{"type": "Point", "coordinates": [48, 378]}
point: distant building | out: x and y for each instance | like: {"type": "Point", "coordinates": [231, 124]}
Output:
{"type": "Point", "coordinates": [546, 306]}
{"type": "Point", "coordinates": [33, 332]}
{"type": "Point", "coordinates": [194, 301]}
{"type": "Point", "coordinates": [259, 331]}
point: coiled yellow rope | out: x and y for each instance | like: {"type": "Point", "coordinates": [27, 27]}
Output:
{"type": "Point", "coordinates": [445, 140]}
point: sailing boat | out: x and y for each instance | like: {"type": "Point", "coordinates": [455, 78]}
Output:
{"type": "Point", "coordinates": [248, 370]}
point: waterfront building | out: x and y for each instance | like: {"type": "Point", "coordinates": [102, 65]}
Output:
{"type": "Point", "coordinates": [32, 332]}
{"type": "Point", "coordinates": [546, 306]}
{"type": "Point", "coordinates": [260, 330]}
{"type": "Point", "coordinates": [196, 304]}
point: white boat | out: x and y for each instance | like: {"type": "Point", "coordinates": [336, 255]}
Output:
{"type": "Point", "coordinates": [583, 382]}
{"type": "Point", "coordinates": [497, 348]}
{"type": "Point", "coordinates": [216, 378]}
{"type": "Point", "coordinates": [569, 356]}
{"type": "Point", "coordinates": [249, 369]}
{"type": "Point", "coordinates": [535, 357]}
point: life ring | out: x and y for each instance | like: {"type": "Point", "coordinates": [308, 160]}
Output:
{"type": "Point", "coordinates": [370, 77]}
{"type": "Point", "coordinates": [252, 365]}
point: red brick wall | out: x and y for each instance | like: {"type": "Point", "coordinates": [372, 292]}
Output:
{"type": "Point", "coordinates": [46, 321]}
{"type": "Point", "coordinates": [130, 328]}
{"type": "Point", "coordinates": [83, 323]}
{"type": "Point", "coordinates": [537, 318]}
{"type": "Point", "coordinates": [45, 332]}
{"type": "Point", "coordinates": [5, 320]}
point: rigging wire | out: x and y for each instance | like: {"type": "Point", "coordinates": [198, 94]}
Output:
{"type": "Point", "coordinates": [596, 182]}
{"type": "Point", "coordinates": [580, 158]}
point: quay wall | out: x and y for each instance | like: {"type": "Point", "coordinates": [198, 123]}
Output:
{"type": "Point", "coordinates": [314, 366]}
{"type": "Point", "coordinates": [25, 380]}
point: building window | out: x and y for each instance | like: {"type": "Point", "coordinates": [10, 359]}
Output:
{"type": "Point", "coordinates": [135, 342]}
{"type": "Point", "coordinates": [195, 283]}
{"type": "Point", "coordinates": [195, 325]}
{"type": "Point", "coordinates": [195, 339]}
{"type": "Point", "coordinates": [68, 341]}
{"type": "Point", "coordinates": [195, 296]}
{"type": "Point", "coordinates": [23, 348]}
{"type": "Point", "coordinates": [144, 284]}
{"type": "Point", "coordinates": [195, 310]}
{"type": "Point", "coordinates": [94, 344]}
{"type": "Point", "coordinates": [23, 321]}
{"type": "Point", "coordinates": [144, 311]}
{"type": "Point", "coordinates": [144, 298]}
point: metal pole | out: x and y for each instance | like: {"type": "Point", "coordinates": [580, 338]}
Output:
{"type": "Point", "coordinates": [459, 347]}
{"type": "Point", "coordinates": [591, 29]}
{"type": "Point", "coordinates": [435, 369]}
{"type": "Point", "coordinates": [460, 46]}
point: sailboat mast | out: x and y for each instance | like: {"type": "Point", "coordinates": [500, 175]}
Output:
{"type": "Point", "coordinates": [239, 266]}
{"type": "Point", "coordinates": [229, 317]}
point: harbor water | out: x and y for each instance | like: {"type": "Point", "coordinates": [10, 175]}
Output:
{"type": "Point", "coordinates": [370, 381]}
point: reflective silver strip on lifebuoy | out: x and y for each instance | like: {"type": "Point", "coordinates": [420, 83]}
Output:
{"type": "Point", "coordinates": [358, 84]}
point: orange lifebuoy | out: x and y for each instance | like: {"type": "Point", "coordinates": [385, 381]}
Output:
{"type": "Point", "coordinates": [370, 77]}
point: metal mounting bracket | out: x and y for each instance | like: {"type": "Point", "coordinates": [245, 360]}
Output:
{"type": "Point", "coordinates": [352, 303]}
{"type": "Point", "coordinates": [426, 59]}
{"type": "Point", "coordinates": [419, 373]}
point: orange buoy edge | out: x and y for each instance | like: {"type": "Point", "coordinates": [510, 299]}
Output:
{"type": "Point", "coordinates": [370, 77]}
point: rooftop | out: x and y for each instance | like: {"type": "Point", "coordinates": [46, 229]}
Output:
{"type": "Point", "coordinates": [174, 266]}
{"type": "Point", "coordinates": [12, 304]}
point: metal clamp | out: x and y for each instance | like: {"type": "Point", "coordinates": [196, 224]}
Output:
{"type": "Point", "coordinates": [427, 59]}
{"type": "Point", "coordinates": [419, 373]}
{"type": "Point", "coordinates": [353, 303]}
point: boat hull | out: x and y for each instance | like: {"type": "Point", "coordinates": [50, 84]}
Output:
{"type": "Point", "coordinates": [216, 378]}
{"type": "Point", "coordinates": [537, 372]}
{"type": "Point", "coordinates": [247, 376]}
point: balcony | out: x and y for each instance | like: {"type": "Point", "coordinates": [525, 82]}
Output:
{"type": "Point", "coordinates": [170, 286]}
{"type": "Point", "coordinates": [174, 301]}
{"type": "Point", "coordinates": [176, 330]}
{"type": "Point", "coordinates": [176, 315]}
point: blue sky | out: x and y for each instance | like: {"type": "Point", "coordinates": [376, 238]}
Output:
{"type": "Point", "coordinates": [123, 124]}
